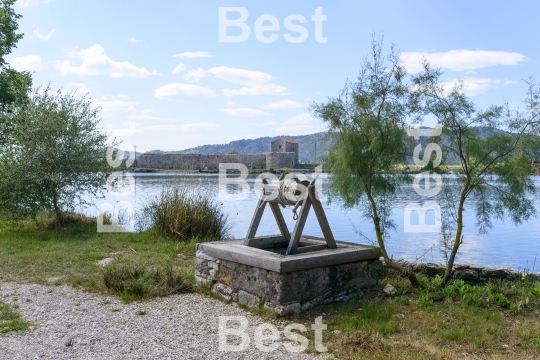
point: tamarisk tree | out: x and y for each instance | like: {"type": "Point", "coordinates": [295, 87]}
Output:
{"type": "Point", "coordinates": [496, 149]}
{"type": "Point", "coordinates": [367, 121]}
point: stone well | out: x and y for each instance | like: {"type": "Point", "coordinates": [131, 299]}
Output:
{"type": "Point", "coordinates": [287, 283]}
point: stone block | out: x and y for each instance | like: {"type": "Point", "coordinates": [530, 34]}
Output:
{"type": "Point", "coordinates": [201, 255]}
{"type": "Point", "coordinates": [201, 280]}
{"type": "Point", "coordinates": [248, 299]}
{"type": "Point", "coordinates": [466, 274]}
{"type": "Point", "coordinates": [223, 290]}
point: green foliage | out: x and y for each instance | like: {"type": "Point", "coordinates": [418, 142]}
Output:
{"type": "Point", "coordinates": [513, 296]}
{"type": "Point", "coordinates": [496, 149]}
{"type": "Point", "coordinates": [185, 210]}
{"type": "Point", "coordinates": [14, 85]}
{"type": "Point", "coordinates": [367, 121]}
{"type": "Point", "coordinates": [536, 289]}
{"type": "Point", "coordinates": [56, 154]}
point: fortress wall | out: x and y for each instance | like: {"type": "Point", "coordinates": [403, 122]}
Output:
{"type": "Point", "coordinates": [281, 160]}
{"type": "Point", "coordinates": [196, 162]}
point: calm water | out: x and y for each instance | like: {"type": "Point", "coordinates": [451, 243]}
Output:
{"type": "Point", "coordinates": [504, 245]}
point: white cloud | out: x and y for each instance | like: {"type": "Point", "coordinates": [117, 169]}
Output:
{"type": "Point", "coordinates": [459, 60]}
{"type": "Point", "coordinates": [181, 67]}
{"type": "Point", "coordinates": [41, 36]}
{"type": "Point", "coordinates": [244, 112]}
{"type": "Point", "coordinates": [193, 54]}
{"type": "Point", "coordinates": [30, 3]}
{"type": "Point", "coordinates": [79, 87]}
{"type": "Point", "coordinates": [133, 40]}
{"type": "Point", "coordinates": [195, 75]}
{"type": "Point", "coordinates": [96, 62]}
{"type": "Point", "coordinates": [254, 82]}
{"type": "Point", "coordinates": [510, 82]}
{"type": "Point", "coordinates": [282, 105]}
{"type": "Point", "coordinates": [266, 123]}
{"type": "Point", "coordinates": [179, 89]}
{"type": "Point", "coordinates": [110, 106]}
{"type": "Point", "coordinates": [300, 123]}
{"type": "Point", "coordinates": [113, 107]}
{"type": "Point", "coordinates": [473, 86]}
{"type": "Point", "coordinates": [131, 128]}
{"type": "Point", "coordinates": [27, 63]}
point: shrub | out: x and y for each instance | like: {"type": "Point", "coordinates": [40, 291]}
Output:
{"type": "Point", "coordinates": [186, 210]}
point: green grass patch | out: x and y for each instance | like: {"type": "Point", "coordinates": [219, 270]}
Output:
{"type": "Point", "coordinates": [139, 281]}
{"type": "Point", "coordinates": [11, 321]}
{"type": "Point", "coordinates": [35, 251]}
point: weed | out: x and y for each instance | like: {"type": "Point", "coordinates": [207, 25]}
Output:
{"type": "Point", "coordinates": [141, 312]}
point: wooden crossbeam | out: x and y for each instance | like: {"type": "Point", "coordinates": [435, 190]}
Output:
{"type": "Point", "coordinates": [308, 200]}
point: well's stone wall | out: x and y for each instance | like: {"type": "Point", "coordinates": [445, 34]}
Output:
{"type": "Point", "coordinates": [289, 292]}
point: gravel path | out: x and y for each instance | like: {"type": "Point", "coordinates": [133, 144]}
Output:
{"type": "Point", "coordinates": [73, 324]}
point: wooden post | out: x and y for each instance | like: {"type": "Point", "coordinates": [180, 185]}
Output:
{"type": "Point", "coordinates": [252, 230]}
{"type": "Point", "coordinates": [297, 233]}
{"type": "Point", "coordinates": [323, 221]}
{"type": "Point", "coordinates": [280, 220]}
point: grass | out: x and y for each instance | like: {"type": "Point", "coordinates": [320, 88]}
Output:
{"type": "Point", "coordinates": [39, 251]}
{"type": "Point", "coordinates": [492, 321]}
{"type": "Point", "coordinates": [476, 321]}
{"type": "Point", "coordinates": [185, 210]}
{"type": "Point", "coordinates": [10, 320]}
{"type": "Point", "coordinates": [138, 281]}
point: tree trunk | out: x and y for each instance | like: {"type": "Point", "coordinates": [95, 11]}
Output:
{"type": "Point", "coordinates": [457, 241]}
{"type": "Point", "coordinates": [57, 211]}
{"type": "Point", "coordinates": [408, 272]}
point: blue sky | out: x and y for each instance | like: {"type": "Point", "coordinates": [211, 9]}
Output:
{"type": "Point", "coordinates": [165, 81]}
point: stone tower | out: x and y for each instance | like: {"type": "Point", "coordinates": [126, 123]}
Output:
{"type": "Point", "coordinates": [283, 153]}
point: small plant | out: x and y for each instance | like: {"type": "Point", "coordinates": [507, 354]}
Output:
{"type": "Point", "coordinates": [141, 312]}
{"type": "Point", "coordinates": [517, 306]}
{"type": "Point", "coordinates": [473, 299]}
{"type": "Point", "coordinates": [499, 300]}
{"type": "Point", "coordinates": [536, 289]}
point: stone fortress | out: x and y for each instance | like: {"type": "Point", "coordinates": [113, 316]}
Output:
{"type": "Point", "coordinates": [283, 154]}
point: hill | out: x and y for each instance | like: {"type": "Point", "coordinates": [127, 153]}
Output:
{"type": "Point", "coordinates": [306, 145]}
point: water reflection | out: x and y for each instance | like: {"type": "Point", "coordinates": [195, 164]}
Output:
{"type": "Point", "coordinates": [504, 245]}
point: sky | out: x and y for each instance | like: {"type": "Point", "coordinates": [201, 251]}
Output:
{"type": "Point", "coordinates": [171, 75]}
